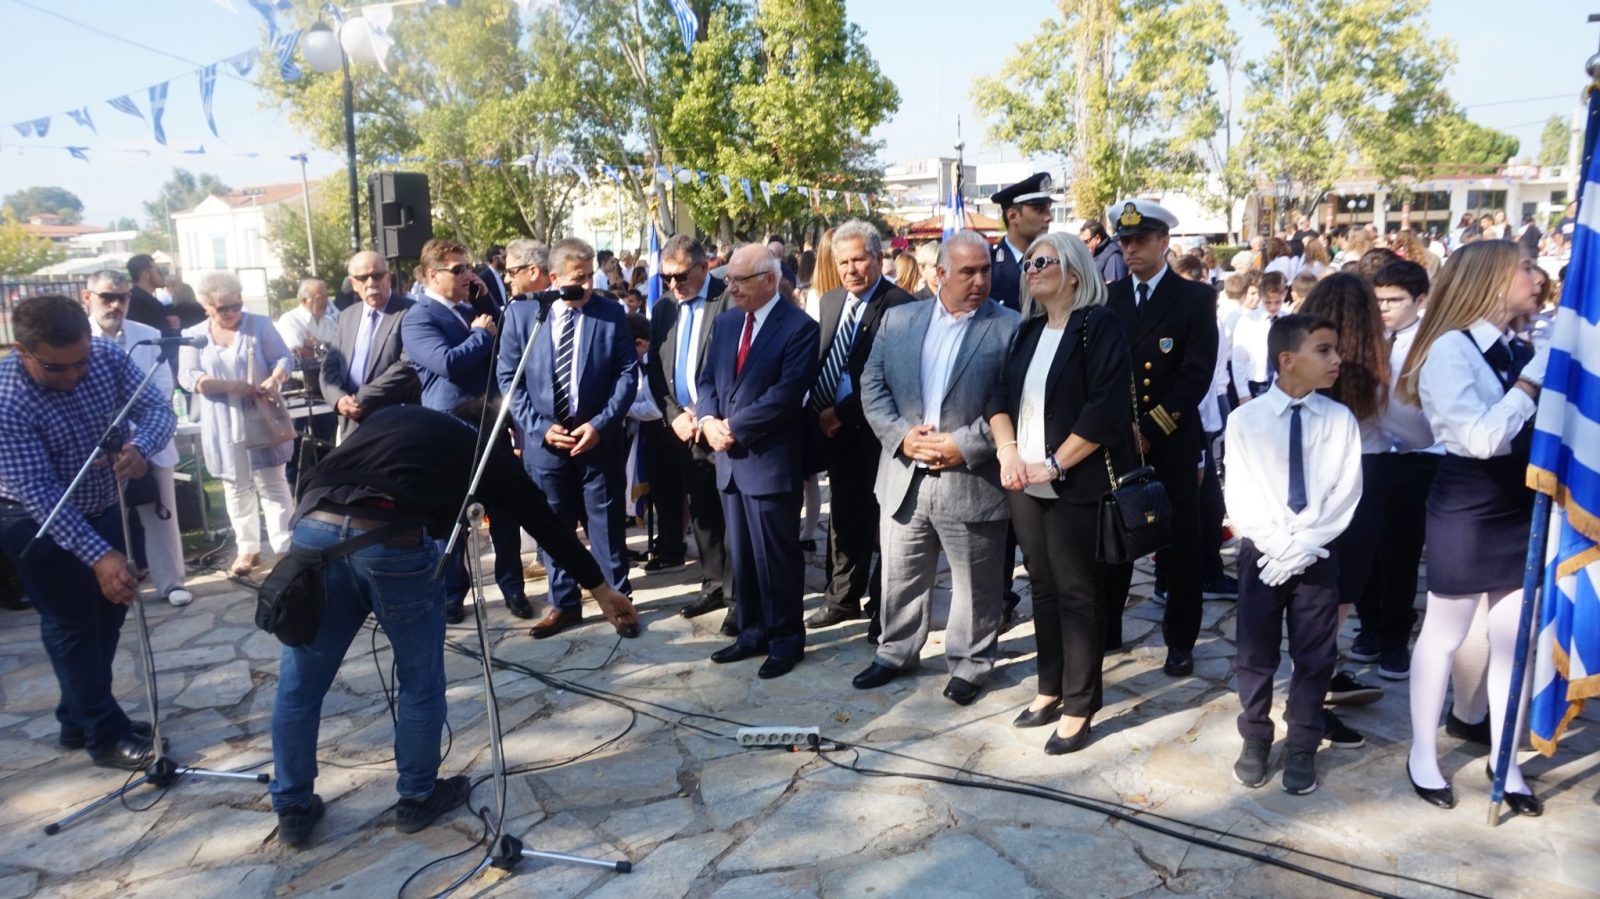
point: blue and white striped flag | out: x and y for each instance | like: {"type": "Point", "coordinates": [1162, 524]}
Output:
{"type": "Point", "coordinates": [79, 153]}
{"type": "Point", "coordinates": [81, 116]}
{"type": "Point", "coordinates": [1565, 464]}
{"type": "Point", "coordinates": [242, 62]}
{"type": "Point", "coordinates": [158, 107]}
{"type": "Point", "coordinates": [652, 290]}
{"type": "Point", "coordinates": [955, 209]}
{"type": "Point", "coordinates": [283, 47]}
{"type": "Point", "coordinates": [208, 90]}
{"type": "Point", "coordinates": [123, 104]}
{"type": "Point", "coordinates": [688, 22]}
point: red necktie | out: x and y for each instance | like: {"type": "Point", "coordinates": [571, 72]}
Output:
{"type": "Point", "coordinates": [744, 341]}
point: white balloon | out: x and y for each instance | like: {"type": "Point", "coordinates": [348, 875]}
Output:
{"type": "Point", "coordinates": [320, 47]}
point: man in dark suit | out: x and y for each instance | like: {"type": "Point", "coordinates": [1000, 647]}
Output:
{"type": "Point", "coordinates": [572, 403]}
{"type": "Point", "coordinates": [1172, 329]}
{"type": "Point", "coordinates": [850, 317]}
{"type": "Point", "coordinates": [366, 368]}
{"type": "Point", "coordinates": [493, 276]}
{"type": "Point", "coordinates": [761, 361]}
{"type": "Point", "coordinates": [1025, 207]}
{"type": "Point", "coordinates": [678, 462]}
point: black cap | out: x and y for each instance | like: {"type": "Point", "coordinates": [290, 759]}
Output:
{"type": "Point", "coordinates": [1029, 190]}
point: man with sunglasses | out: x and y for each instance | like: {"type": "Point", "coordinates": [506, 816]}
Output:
{"type": "Point", "coordinates": [58, 392]}
{"type": "Point", "coordinates": [527, 266]}
{"type": "Point", "coordinates": [366, 368]}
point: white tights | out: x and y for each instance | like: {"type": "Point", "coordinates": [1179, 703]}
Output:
{"type": "Point", "coordinates": [1445, 627]}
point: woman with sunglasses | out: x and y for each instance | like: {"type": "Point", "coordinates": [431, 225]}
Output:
{"type": "Point", "coordinates": [1062, 417]}
{"type": "Point", "coordinates": [243, 359]}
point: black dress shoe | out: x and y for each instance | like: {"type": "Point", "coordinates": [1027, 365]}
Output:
{"type": "Point", "coordinates": [775, 666]}
{"type": "Point", "coordinates": [1038, 717]}
{"type": "Point", "coordinates": [295, 824]}
{"type": "Point", "coordinates": [730, 625]}
{"type": "Point", "coordinates": [827, 616]}
{"type": "Point", "coordinates": [874, 631]}
{"type": "Point", "coordinates": [455, 612]}
{"type": "Point", "coordinates": [1059, 745]}
{"type": "Point", "coordinates": [75, 740]}
{"type": "Point", "coordinates": [662, 563]}
{"type": "Point", "coordinates": [129, 754]}
{"type": "Point", "coordinates": [1461, 730]}
{"type": "Point", "coordinates": [519, 606]}
{"type": "Point", "coordinates": [1442, 797]}
{"type": "Point", "coordinates": [960, 692]}
{"type": "Point", "coordinates": [1180, 663]}
{"type": "Point", "coordinates": [701, 605]}
{"type": "Point", "coordinates": [736, 652]}
{"type": "Point", "coordinates": [554, 622]}
{"type": "Point", "coordinates": [874, 676]}
{"type": "Point", "coordinates": [1521, 803]}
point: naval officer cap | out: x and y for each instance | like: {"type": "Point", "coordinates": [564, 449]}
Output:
{"type": "Point", "coordinates": [1136, 216]}
{"type": "Point", "coordinates": [1029, 190]}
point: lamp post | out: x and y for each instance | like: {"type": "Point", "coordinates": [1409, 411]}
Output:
{"type": "Point", "coordinates": [325, 51]}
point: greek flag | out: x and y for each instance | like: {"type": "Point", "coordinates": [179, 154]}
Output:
{"type": "Point", "coordinates": [158, 106]}
{"type": "Point", "coordinates": [242, 62]}
{"type": "Point", "coordinates": [283, 47]}
{"type": "Point", "coordinates": [208, 89]}
{"type": "Point", "coordinates": [688, 22]}
{"type": "Point", "coordinates": [1565, 464]}
{"type": "Point", "coordinates": [123, 104]}
{"type": "Point", "coordinates": [653, 264]}
{"type": "Point", "coordinates": [79, 153]}
{"type": "Point", "coordinates": [955, 210]}
{"type": "Point", "coordinates": [81, 116]}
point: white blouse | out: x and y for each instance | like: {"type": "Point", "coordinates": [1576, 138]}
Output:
{"type": "Point", "coordinates": [1030, 418]}
{"type": "Point", "coordinates": [1470, 411]}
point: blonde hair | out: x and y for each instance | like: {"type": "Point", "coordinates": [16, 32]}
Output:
{"type": "Point", "coordinates": [826, 275]}
{"type": "Point", "coordinates": [1076, 258]}
{"type": "Point", "coordinates": [906, 275]}
{"type": "Point", "coordinates": [1471, 285]}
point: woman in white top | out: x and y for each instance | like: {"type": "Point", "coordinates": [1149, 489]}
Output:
{"type": "Point", "coordinates": [1279, 258]}
{"type": "Point", "coordinates": [1062, 421]}
{"type": "Point", "coordinates": [1479, 391]}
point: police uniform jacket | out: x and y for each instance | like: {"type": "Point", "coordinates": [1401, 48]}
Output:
{"type": "Point", "coordinates": [1174, 344]}
{"type": "Point", "coordinates": [1005, 276]}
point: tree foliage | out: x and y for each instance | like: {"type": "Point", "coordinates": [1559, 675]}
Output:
{"type": "Point", "coordinates": [330, 224]}
{"type": "Point", "coordinates": [1553, 142]}
{"type": "Point", "coordinates": [57, 201]}
{"type": "Point", "coordinates": [184, 190]}
{"type": "Point", "coordinates": [21, 251]}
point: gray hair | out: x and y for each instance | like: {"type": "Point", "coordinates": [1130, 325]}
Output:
{"type": "Point", "coordinates": [106, 278]}
{"type": "Point", "coordinates": [216, 285]}
{"type": "Point", "coordinates": [856, 229]}
{"type": "Point", "coordinates": [682, 246]}
{"type": "Point", "coordinates": [965, 238]}
{"type": "Point", "coordinates": [523, 252]}
{"type": "Point", "coordinates": [927, 253]}
{"type": "Point", "coordinates": [304, 293]}
{"type": "Point", "coordinates": [1075, 258]}
{"type": "Point", "coordinates": [568, 250]}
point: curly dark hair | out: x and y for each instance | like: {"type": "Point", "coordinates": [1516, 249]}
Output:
{"type": "Point", "coordinates": [1348, 301]}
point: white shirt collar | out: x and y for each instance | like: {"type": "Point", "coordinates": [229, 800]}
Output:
{"type": "Point", "coordinates": [870, 291]}
{"type": "Point", "coordinates": [766, 310]}
{"type": "Point", "coordinates": [1485, 333]}
{"type": "Point", "coordinates": [941, 313]}
{"type": "Point", "coordinates": [1407, 329]}
{"type": "Point", "coordinates": [1281, 401]}
{"type": "Point", "coordinates": [1018, 253]}
{"type": "Point", "coordinates": [1154, 280]}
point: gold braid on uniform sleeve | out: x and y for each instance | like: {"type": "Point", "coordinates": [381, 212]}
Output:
{"type": "Point", "coordinates": [1167, 421]}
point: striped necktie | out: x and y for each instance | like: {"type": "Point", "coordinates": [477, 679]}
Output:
{"type": "Point", "coordinates": [833, 367]}
{"type": "Point", "coordinates": [563, 369]}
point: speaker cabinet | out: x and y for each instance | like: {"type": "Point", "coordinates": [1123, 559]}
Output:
{"type": "Point", "coordinates": [402, 217]}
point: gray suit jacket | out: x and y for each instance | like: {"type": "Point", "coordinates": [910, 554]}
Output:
{"type": "Point", "coordinates": [389, 379]}
{"type": "Point", "coordinates": [891, 397]}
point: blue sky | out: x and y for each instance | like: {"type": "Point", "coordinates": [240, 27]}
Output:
{"type": "Point", "coordinates": [931, 49]}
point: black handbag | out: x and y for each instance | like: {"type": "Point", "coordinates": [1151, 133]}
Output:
{"type": "Point", "coordinates": [289, 601]}
{"type": "Point", "coordinates": [1135, 516]}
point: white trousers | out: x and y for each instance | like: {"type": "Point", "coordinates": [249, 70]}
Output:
{"type": "Point", "coordinates": [271, 486]}
{"type": "Point", "coordinates": [163, 546]}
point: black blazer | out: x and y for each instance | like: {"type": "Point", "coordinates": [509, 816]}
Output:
{"type": "Point", "coordinates": [831, 305]}
{"type": "Point", "coordinates": [1086, 394]}
{"type": "Point", "coordinates": [1174, 344]}
{"type": "Point", "coordinates": [661, 366]}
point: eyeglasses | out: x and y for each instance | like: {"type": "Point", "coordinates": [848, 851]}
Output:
{"type": "Point", "coordinates": [56, 368]}
{"type": "Point", "coordinates": [1039, 263]}
{"type": "Point", "coordinates": [670, 278]}
{"type": "Point", "coordinates": [456, 269]}
{"type": "Point", "coordinates": [112, 297]}
{"type": "Point", "coordinates": [370, 276]}
{"type": "Point", "coordinates": [517, 268]}
{"type": "Point", "coordinates": [742, 279]}
{"type": "Point", "coordinates": [229, 309]}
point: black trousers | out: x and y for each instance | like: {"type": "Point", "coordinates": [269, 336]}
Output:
{"type": "Point", "coordinates": [1180, 625]}
{"type": "Point", "coordinates": [1309, 604]}
{"type": "Point", "coordinates": [1388, 605]}
{"type": "Point", "coordinates": [1057, 540]}
{"type": "Point", "coordinates": [665, 470]}
{"type": "Point", "coordinates": [1211, 512]}
{"type": "Point", "coordinates": [853, 526]}
{"type": "Point", "coordinates": [1358, 545]}
{"type": "Point", "coordinates": [682, 475]}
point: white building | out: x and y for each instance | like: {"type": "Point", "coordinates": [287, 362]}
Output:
{"type": "Point", "coordinates": [228, 232]}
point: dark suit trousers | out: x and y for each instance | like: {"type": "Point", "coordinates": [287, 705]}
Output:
{"type": "Point", "coordinates": [1358, 545]}
{"type": "Point", "coordinates": [1211, 512]}
{"type": "Point", "coordinates": [664, 467]}
{"type": "Point", "coordinates": [1057, 540]}
{"type": "Point", "coordinates": [696, 477]}
{"type": "Point", "coordinates": [1180, 624]}
{"type": "Point", "coordinates": [853, 525]}
{"type": "Point", "coordinates": [1388, 605]}
{"type": "Point", "coordinates": [1309, 604]}
{"type": "Point", "coordinates": [768, 570]}
{"type": "Point", "coordinates": [588, 490]}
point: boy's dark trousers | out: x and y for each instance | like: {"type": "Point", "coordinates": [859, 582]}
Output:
{"type": "Point", "coordinates": [1388, 605]}
{"type": "Point", "coordinates": [1309, 603]}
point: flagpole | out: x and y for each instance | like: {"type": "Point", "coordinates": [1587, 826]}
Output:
{"type": "Point", "coordinates": [1533, 568]}
{"type": "Point", "coordinates": [305, 200]}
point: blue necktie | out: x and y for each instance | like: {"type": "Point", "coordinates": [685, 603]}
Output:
{"type": "Point", "coordinates": [358, 359]}
{"type": "Point", "coordinates": [1297, 462]}
{"type": "Point", "coordinates": [833, 368]}
{"type": "Point", "coordinates": [680, 367]}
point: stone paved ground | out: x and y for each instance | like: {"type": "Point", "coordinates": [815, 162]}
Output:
{"type": "Point", "coordinates": [698, 816]}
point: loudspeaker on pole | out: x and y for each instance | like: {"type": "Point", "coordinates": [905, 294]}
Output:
{"type": "Point", "coordinates": [401, 214]}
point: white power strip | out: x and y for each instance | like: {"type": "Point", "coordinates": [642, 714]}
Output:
{"type": "Point", "coordinates": [778, 736]}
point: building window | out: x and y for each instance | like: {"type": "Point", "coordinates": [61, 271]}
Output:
{"type": "Point", "coordinates": [219, 251]}
{"type": "Point", "coordinates": [1481, 201]}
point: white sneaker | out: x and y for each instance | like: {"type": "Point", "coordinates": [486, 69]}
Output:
{"type": "Point", "coordinates": [180, 597]}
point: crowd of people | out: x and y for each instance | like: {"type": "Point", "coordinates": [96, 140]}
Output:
{"type": "Point", "coordinates": [1331, 402]}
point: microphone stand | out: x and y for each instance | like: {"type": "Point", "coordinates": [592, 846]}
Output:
{"type": "Point", "coordinates": [161, 771]}
{"type": "Point", "coordinates": [508, 851]}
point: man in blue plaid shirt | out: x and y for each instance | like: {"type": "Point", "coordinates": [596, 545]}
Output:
{"type": "Point", "coordinates": [58, 391]}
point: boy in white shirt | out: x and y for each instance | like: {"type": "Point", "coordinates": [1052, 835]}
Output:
{"type": "Point", "coordinates": [1252, 369]}
{"type": "Point", "coordinates": [1293, 481]}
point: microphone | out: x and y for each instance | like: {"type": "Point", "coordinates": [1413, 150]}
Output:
{"type": "Point", "coordinates": [571, 293]}
{"type": "Point", "coordinates": [196, 342]}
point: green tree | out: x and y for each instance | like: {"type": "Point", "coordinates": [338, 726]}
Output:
{"type": "Point", "coordinates": [1121, 89]}
{"type": "Point", "coordinates": [1344, 82]}
{"type": "Point", "coordinates": [1553, 142]}
{"type": "Point", "coordinates": [183, 191]}
{"type": "Point", "coordinates": [56, 201]}
{"type": "Point", "coordinates": [21, 251]}
{"type": "Point", "coordinates": [123, 223]}
{"type": "Point", "coordinates": [330, 229]}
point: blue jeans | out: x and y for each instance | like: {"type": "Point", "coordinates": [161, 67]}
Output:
{"type": "Point", "coordinates": [77, 624]}
{"type": "Point", "coordinates": [396, 584]}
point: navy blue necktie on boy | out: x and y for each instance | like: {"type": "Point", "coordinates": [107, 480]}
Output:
{"type": "Point", "coordinates": [1297, 462]}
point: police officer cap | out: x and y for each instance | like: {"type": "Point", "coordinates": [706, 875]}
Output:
{"type": "Point", "coordinates": [1029, 190]}
{"type": "Point", "coordinates": [1136, 216]}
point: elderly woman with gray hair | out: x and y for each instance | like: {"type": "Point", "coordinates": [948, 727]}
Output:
{"type": "Point", "coordinates": [1062, 419]}
{"type": "Point", "coordinates": [236, 376]}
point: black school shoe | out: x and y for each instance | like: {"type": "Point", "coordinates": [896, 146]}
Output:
{"type": "Point", "coordinates": [412, 815]}
{"type": "Point", "coordinates": [1251, 768]}
{"type": "Point", "coordinates": [295, 824]}
{"type": "Point", "coordinates": [75, 739]}
{"type": "Point", "coordinates": [1300, 771]}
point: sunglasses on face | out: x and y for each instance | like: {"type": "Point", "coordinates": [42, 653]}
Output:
{"type": "Point", "coordinates": [456, 269]}
{"type": "Point", "coordinates": [112, 297]}
{"type": "Point", "coordinates": [370, 276]}
{"type": "Point", "coordinates": [670, 278]}
{"type": "Point", "coordinates": [57, 368]}
{"type": "Point", "coordinates": [1039, 263]}
{"type": "Point", "coordinates": [229, 309]}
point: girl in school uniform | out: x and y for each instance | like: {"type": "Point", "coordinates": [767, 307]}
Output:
{"type": "Point", "coordinates": [1479, 390]}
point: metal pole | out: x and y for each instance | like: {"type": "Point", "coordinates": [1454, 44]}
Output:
{"type": "Point", "coordinates": [305, 198]}
{"type": "Point", "coordinates": [350, 152]}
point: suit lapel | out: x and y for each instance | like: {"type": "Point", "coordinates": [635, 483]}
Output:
{"type": "Point", "coordinates": [832, 309]}
{"type": "Point", "coordinates": [911, 354]}
{"type": "Point", "coordinates": [982, 320]}
{"type": "Point", "coordinates": [668, 354]}
{"type": "Point", "coordinates": [1071, 342]}
{"type": "Point", "coordinates": [763, 337]}
{"type": "Point", "coordinates": [1161, 301]}
{"type": "Point", "coordinates": [386, 321]}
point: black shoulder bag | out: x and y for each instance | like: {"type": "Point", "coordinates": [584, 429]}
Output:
{"type": "Point", "coordinates": [290, 599]}
{"type": "Point", "coordinates": [1135, 515]}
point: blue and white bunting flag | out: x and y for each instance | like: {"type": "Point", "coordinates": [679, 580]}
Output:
{"type": "Point", "coordinates": [123, 104]}
{"type": "Point", "coordinates": [81, 116]}
{"type": "Point", "coordinates": [766, 192]}
{"type": "Point", "coordinates": [283, 47]}
{"type": "Point", "coordinates": [727, 185]}
{"type": "Point", "coordinates": [243, 62]}
{"type": "Point", "coordinates": [1565, 464]}
{"type": "Point", "coordinates": [158, 107]}
{"type": "Point", "coordinates": [265, 7]}
{"type": "Point", "coordinates": [197, 151]}
{"type": "Point", "coordinates": [688, 22]}
{"type": "Point", "coordinates": [611, 171]}
{"type": "Point", "coordinates": [748, 196]}
{"type": "Point", "coordinates": [24, 128]}
{"type": "Point", "coordinates": [208, 90]}
{"type": "Point", "coordinates": [79, 153]}
{"type": "Point", "coordinates": [653, 267]}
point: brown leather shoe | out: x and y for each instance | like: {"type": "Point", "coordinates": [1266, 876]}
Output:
{"type": "Point", "coordinates": [554, 622]}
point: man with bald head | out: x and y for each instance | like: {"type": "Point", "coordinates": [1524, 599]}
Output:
{"type": "Point", "coordinates": [366, 367]}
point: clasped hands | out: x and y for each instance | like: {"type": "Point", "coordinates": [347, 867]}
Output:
{"type": "Point", "coordinates": [935, 449]}
{"type": "Point", "coordinates": [1016, 474]}
{"type": "Point", "coordinates": [1294, 562]}
{"type": "Point", "coordinates": [576, 441]}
